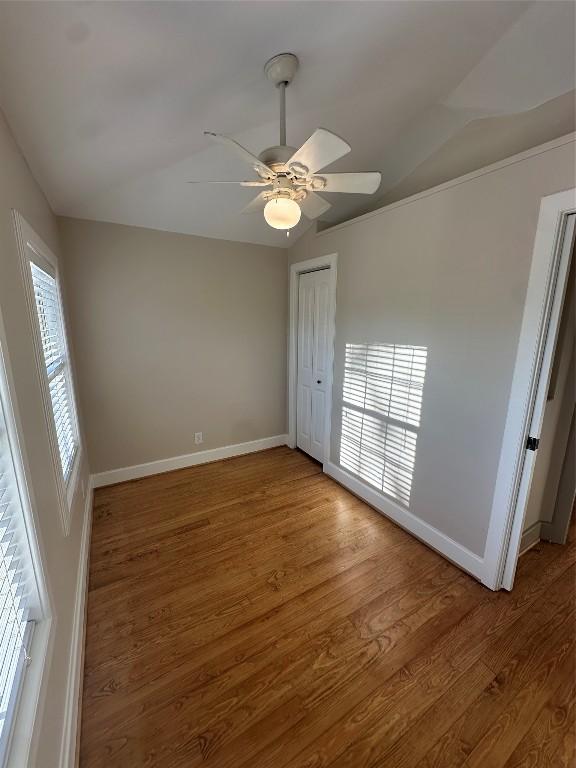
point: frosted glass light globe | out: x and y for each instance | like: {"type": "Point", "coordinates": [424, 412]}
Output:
{"type": "Point", "coordinates": [282, 213]}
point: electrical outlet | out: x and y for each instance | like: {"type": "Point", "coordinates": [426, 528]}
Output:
{"type": "Point", "coordinates": [198, 438]}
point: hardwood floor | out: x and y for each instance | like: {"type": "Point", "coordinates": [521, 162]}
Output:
{"type": "Point", "coordinates": [252, 613]}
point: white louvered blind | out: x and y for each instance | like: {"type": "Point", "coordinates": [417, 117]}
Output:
{"type": "Point", "coordinates": [382, 400]}
{"type": "Point", "coordinates": [54, 348]}
{"type": "Point", "coordinates": [16, 589]}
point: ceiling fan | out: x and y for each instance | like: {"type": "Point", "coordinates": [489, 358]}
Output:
{"type": "Point", "coordinates": [289, 177]}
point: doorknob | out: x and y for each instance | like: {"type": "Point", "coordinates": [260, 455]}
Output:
{"type": "Point", "coordinates": [318, 381]}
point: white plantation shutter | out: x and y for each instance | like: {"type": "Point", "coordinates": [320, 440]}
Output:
{"type": "Point", "coordinates": [53, 341]}
{"type": "Point", "coordinates": [17, 587]}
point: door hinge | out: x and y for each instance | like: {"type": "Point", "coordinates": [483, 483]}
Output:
{"type": "Point", "coordinates": [532, 443]}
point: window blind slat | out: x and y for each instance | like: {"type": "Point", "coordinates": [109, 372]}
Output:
{"type": "Point", "coordinates": [57, 366]}
{"type": "Point", "coordinates": [16, 575]}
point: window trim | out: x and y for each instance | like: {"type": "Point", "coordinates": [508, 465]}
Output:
{"type": "Point", "coordinates": [32, 249]}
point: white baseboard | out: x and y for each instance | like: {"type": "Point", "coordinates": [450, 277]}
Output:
{"type": "Point", "coordinates": [69, 746]}
{"type": "Point", "coordinates": [189, 460]}
{"type": "Point", "coordinates": [530, 538]}
{"type": "Point", "coordinates": [444, 545]}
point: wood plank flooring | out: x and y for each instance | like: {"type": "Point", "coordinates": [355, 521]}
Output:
{"type": "Point", "coordinates": [252, 613]}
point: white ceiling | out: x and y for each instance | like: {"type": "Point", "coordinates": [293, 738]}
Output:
{"type": "Point", "coordinates": [109, 101]}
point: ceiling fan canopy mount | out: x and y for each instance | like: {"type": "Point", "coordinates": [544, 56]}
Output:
{"type": "Point", "coordinates": [290, 173]}
{"type": "Point", "coordinates": [280, 69]}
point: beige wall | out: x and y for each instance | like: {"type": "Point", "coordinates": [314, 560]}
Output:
{"type": "Point", "coordinates": [173, 335]}
{"type": "Point", "coordinates": [447, 270]}
{"type": "Point", "coordinates": [61, 554]}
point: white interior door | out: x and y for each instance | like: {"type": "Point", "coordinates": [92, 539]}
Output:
{"type": "Point", "coordinates": [542, 382]}
{"type": "Point", "coordinates": [313, 361]}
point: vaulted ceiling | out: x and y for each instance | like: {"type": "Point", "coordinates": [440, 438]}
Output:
{"type": "Point", "coordinates": [109, 101]}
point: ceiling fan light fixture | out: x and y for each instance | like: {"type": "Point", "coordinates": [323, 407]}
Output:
{"type": "Point", "coordinates": [292, 173]}
{"type": "Point", "coordinates": [282, 213]}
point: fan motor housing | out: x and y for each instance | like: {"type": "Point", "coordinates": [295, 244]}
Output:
{"type": "Point", "coordinates": [276, 156]}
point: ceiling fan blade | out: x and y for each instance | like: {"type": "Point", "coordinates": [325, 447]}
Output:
{"type": "Point", "coordinates": [261, 168]}
{"type": "Point", "coordinates": [313, 205]}
{"type": "Point", "coordinates": [257, 204]}
{"type": "Point", "coordinates": [321, 149]}
{"type": "Point", "coordinates": [358, 183]}
{"type": "Point", "coordinates": [260, 183]}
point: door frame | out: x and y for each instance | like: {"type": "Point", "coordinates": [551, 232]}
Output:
{"type": "Point", "coordinates": [330, 261]}
{"type": "Point", "coordinates": [540, 322]}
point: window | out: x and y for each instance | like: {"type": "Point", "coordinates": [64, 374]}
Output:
{"type": "Point", "coordinates": [40, 272]}
{"type": "Point", "coordinates": [49, 313]}
{"type": "Point", "coordinates": [19, 602]}
{"type": "Point", "coordinates": [382, 400]}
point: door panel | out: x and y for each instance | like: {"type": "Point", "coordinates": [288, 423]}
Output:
{"type": "Point", "coordinates": [305, 418]}
{"type": "Point", "coordinates": [313, 356]}
{"type": "Point", "coordinates": [318, 411]}
{"type": "Point", "coordinates": [305, 362]}
{"type": "Point", "coordinates": [321, 309]}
